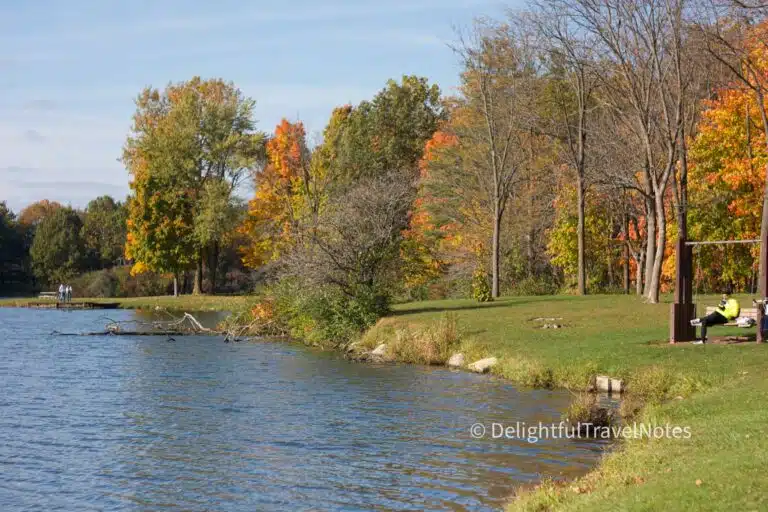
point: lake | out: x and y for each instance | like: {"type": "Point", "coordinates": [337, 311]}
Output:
{"type": "Point", "coordinates": [143, 423]}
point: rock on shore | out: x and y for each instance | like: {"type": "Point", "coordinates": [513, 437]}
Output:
{"type": "Point", "coordinates": [456, 361]}
{"type": "Point", "coordinates": [483, 365]}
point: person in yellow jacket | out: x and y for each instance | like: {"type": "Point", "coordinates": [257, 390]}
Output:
{"type": "Point", "coordinates": [727, 311]}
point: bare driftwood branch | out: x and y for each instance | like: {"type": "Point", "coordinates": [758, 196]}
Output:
{"type": "Point", "coordinates": [186, 325]}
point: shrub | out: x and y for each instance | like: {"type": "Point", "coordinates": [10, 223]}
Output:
{"type": "Point", "coordinates": [118, 282]}
{"type": "Point", "coordinates": [318, 316]}
{"type": "Point", "coordinates": [481, 290]}
{"type": "Point", "coordinates": [586, 414]}
{"type": "Point", "coordinates": [105, 284]}
{"type": "Point", "coordinates": [535, 285]}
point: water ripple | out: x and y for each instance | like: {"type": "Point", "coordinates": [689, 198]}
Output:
{"type": "Point", "coordinates": [107, 423]}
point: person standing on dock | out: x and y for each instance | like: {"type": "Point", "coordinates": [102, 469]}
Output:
{"type": "Point", "coordinates": [61, 292]}
{"type": "Point", "coordinates": [69, 293]}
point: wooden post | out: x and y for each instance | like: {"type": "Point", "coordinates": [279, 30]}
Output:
{"type": "Point", "coordinates": [683, 309]}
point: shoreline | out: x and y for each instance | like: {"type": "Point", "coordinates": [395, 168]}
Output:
{"type": "Point", "coordinates": [717, 391]}
{"type": "Point", "coordinates": [669, 391]}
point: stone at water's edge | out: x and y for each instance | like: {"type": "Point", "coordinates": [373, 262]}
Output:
{"type": "Point", "coordinates": [483, 365]}
{"type": "Point", "coordinates": [456, 361]}
{"type": "Point", "coordinates": [380, 351]}
{"type": "Point", "coordinates": [608, 384]}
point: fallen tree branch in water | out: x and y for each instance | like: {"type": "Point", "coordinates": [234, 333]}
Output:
{"type": "Point", "coordinates": [187, 325]}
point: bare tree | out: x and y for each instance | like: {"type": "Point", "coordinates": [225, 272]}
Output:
{"type": "Point", "coordinates": [355, 241]}
{"type": "Point", "coordinates": [570, 56]}
{"type": "Point", "coordinates": [498, 90]}
{"type": "Point", "coordinates": [642, 44]}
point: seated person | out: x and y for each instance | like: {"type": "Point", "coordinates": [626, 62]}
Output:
{"type": "Point", "coordinates": [727, 311]}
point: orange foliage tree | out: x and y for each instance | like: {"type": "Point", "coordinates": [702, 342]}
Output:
{"type": "Point", "coordinates": [727, 180]}
{"type": "Point", "coordinates": [282, 187]}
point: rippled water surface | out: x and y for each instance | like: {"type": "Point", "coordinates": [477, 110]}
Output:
{"type": "Point", "coordinates": [121, 423]}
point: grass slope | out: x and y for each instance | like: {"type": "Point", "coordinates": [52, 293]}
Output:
{"type": "Point", "coordinates": [719, 391]}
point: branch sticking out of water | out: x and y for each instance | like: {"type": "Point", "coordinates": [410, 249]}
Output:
{"type": "Point", "coordinates": [186, 325]}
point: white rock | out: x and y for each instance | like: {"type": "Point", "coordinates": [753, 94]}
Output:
{"type": "Point", "coordinates": [456, 361]}
{"type": "Point", "coordinates": [381, 350]}
{"type": "Point", "coordinates": [483, 365]}
{"type": "Point", "coordinates": [603, 383]}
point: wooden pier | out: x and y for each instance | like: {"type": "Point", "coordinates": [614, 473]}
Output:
{"type": "Point", "coordinates": [72, 305]}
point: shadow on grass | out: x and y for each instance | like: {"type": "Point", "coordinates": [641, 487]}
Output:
{"type": "Point", "coordinates": [501, 303]}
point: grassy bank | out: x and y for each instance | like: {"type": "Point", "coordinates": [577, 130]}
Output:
{"type": "Point", "coordinates": [719, 391]}
{"type": "Point", "coordinates": [182, 303]}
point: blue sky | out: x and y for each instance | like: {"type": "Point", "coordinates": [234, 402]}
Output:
{"type": "Point", "coordinates": [69, 71]}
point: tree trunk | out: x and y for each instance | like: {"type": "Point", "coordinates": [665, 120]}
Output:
{"type": "Point", "coordinates": [582, 277]}
{"type": "Point", "coordinates": [175, 285]}
{"type": "Point", "coordinates": [198, 282]}
{"type": "Point", "coordinates": [529, 252]}
{"type": "Point", "coordinates": [762, 273]}
{"type": "Point", "coordinates": [639, 271]}
{"type": "Point", "coordinates": [495, 256]}
{"type": "Point", "coordinates": [627, 279]}
{"type": "Point", "coordinates": [213, 266]}
{"type": "Point", "coordinates": [609, 268]}
{"type": "Point", "coordinates": [650, 245]}
{"type": "Point", "coordinates": [626, 255]}
{"type": "Point", "coordinates": [658, 259]}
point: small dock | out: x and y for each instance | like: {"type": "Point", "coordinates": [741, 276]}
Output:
{"type": "Point", "coordinates": [72, 305]}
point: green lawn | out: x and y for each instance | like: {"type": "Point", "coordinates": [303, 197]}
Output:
{"type": "Point", "coordinates": [184, 302]}
{"type": "Point", "coordinates": [719, 391]}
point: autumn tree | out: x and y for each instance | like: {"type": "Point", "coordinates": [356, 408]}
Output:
{"type": "Point", "coordinates": [183, 138]}
{"type": "Point", "coordinates": [728, 159]}
{"type": "Point", "coordinates": [735, 34]}
{"type": "Point", "coordinates": [492, 126]}
{"type": "Point", "coordinates": [33, 214]}
{"type": "Point", "coordinates": [282, 186]}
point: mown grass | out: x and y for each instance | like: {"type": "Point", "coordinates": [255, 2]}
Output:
{"type": "Point", "coordinates": [719, 391]}
{"type": "Point", "coordinates": [181, 303]}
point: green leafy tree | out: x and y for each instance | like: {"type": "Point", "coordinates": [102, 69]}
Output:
{"type": "Point", "coordinates": [57, 251]}
{"type": "Point", "coordinates": [218, 216]}
{"type": "Point", "coordinates": [104, 231]}
{"type": "Point", "coordinates": [385, 134]}
{"type": "Point", "coordinates": [12, 250]}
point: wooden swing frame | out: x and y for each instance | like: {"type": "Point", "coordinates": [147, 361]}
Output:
{"type": "Point", "coordinates": [684, 309]}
